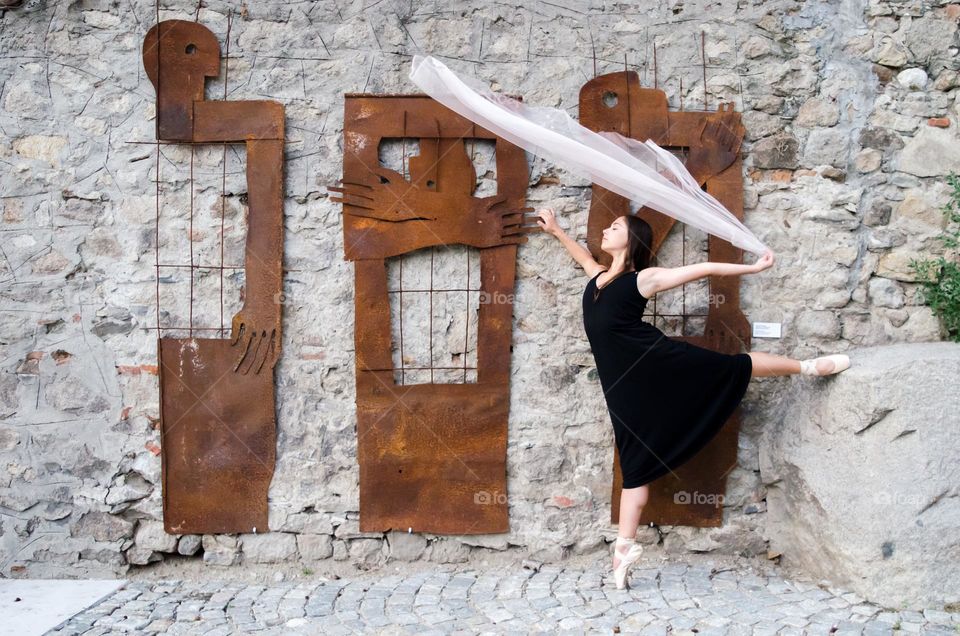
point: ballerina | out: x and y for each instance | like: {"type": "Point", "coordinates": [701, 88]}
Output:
{"type": "Point", "coordinates": [667, 398]}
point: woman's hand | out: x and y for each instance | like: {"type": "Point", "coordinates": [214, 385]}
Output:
{"type": "Point", "coordinates": [547, 221]}
{"type": "Point", "coordinates": [763, 262]}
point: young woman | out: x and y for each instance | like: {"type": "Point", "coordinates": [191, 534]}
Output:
{"type": "Point", "coordinates": [666, 398]}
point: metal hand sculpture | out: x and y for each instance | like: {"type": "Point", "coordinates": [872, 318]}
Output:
{"type": "Point", "coordinates": [454, 217]}
{"type": "Point", "coordinates": [717, 144]}
{"type": "Point", "coordinates": [219, 437]}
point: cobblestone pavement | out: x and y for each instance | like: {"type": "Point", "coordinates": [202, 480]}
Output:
{"type": "Point", "coordinates": [670, 598]}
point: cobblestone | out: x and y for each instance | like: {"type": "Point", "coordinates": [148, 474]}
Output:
{"type": "Point", "coordinates": [673, 598]}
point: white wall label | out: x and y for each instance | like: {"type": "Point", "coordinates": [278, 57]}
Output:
{"type": "Point", "coordinates": [766, 330]}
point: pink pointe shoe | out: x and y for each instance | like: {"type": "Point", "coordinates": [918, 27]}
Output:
{"type": "Point", "coordinates": [840, 362]}
{"type": "Point", "coordinates": [627, 560]}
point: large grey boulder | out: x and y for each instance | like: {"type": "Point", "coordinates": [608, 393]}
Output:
{"type": "Point", "coordinates": [863, 475]}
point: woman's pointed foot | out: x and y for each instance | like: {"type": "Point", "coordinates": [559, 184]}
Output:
{"type": "Point", "coordinates": [625, 559]}
{"type": "Point", "coordinates": [825, 365]}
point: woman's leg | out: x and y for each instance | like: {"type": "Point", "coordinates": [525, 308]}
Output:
{"type": "Point", "coordinates": [767, 364]}
{"type": "Point", "coordinates": [632, 501]}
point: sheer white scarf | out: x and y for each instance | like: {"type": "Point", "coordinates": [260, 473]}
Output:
{"type": "Point", "coordinates": [643, 172]}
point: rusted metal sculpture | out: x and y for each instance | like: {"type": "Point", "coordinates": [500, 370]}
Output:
{"type": "Point", "coordinates": [218, 421]}
{"type": "Point", "coordinates": [432, 456]}
{"type": "Point", "coordinates": [616, 102]}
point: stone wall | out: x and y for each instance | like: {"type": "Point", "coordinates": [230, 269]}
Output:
{"type": "Point", "coordinates": [851, 115]}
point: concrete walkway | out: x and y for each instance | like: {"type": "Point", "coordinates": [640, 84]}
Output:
{"type": "Point", "coordinates": [667, 598]}
{"type": "Point", "coordinates": [31, 607]}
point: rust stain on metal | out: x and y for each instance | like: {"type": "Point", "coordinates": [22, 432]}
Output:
{"type": "Point", "coordinates": [616, 102]}
{"type": "Point", "coordinates": [217, 409]}
{"type": "Point", "coordinates": [432, 456]}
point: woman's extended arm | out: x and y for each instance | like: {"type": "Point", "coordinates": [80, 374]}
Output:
{"type": "Point", "coordinates": [663, 278]}
{"type": "Point", "coordinates": [579, 253]}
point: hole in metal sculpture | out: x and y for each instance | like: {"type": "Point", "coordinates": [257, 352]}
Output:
{"type": "Point", "coordinates": [435, 300]}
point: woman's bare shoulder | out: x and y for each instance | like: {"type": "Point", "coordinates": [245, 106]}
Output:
{"type": "Point", "coordinates": [646, 281]}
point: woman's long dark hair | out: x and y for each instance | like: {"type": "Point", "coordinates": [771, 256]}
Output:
{"type": "Point", "coordinates": [639, 242]}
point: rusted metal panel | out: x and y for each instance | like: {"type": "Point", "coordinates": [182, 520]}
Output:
{"type": "Point", "coordinates": [432, 456]}
{"type": "Point", "coordinates": [223, 121]}
{"type": "Point", "coordinates": [218, 421]}
{"type": "Point", "coordinates": [219, 442]}
{"type": "Point", "coordinates": [616, 102]}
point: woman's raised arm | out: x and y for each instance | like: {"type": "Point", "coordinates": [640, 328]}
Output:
{"type": "Point", "coordinates": [582, 255]}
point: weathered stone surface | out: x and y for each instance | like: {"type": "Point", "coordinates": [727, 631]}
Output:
{"type": "Point", "coordinates": [220, 549]}
{"type": "Point", "coordinates": [895, 264]}
{"type": "Point", "coordinates": [41, 147]}
{"type": "Point", "coordinates": [142, 556]}
{"type": "Point", "coordinates": [102, 526]}
{"type": "Point", "coordinates": [932, 152]}
{"type": "Point", "coordinates": [128, 487]}
{"type": "Point", "coordinates": [818, 112]}
{"type": "Point", "coordinates": [9, 438]}
{"type": "Point", "coordinates": [922, 207]}
{"type": "Point", "coordinates": [760, 124]}
{"type": "Point", "coordinates": [778, 151]}
{"type": "Point", "coordinates": [405, 546]}
{"type": "Point", "coordinates": [859, 475]}
{"type": "Point", "coordinates": [890, 52]}
{"type": "Point", "coordinates": [152, 536]}
{"type": "Point", "coordinates": [914, 79]}
{"type": "Point", "coordinates": [365, 553]}
{"type": "Point", "coordinates": [8, 394]}
{"type": "Point", "coordinates": [350, 529]}
{"type": "Point", "coordinates": [881, 139]}
{"type": "Point", "coordinates": [445, 550]}
{"type": "Point", "coordinates": [885, 238]}
{"type": "Point", "coordinates": [189, 544]}
{"type": "Point", "coordinates": [270, 547]}
{"type": "Point", "coordinates": [315, 547]}
{"type": "Point", "coordinates": [830, 147]}
{"type": "Point", "coordinates": [886, 293]}
{"type": "Point", "coordinates": [928, 37]}
{"type": "Point", "coordinates": [819, 324]}
{"type": "Point", "coordinates": [828, 184]}
{"type": "Point", "coordinates": [71, 394]}
{"type": "Point", "coordinates": [867, 160]}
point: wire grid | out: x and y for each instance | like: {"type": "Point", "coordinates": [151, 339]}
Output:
{"type": "Point", "coordinates": [196, 242]}
{"type": "Point", "coordinates": [448, 315]}
{"type": "Point", "coordinates": [678, 324]}
{"type": "Point", "coordinates": [683, 322]}
{"type": "Point", "coordinates": [416, 300]}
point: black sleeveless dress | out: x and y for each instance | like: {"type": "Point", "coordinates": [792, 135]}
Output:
{"type": "Point", "coordinates": [667, 398]}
